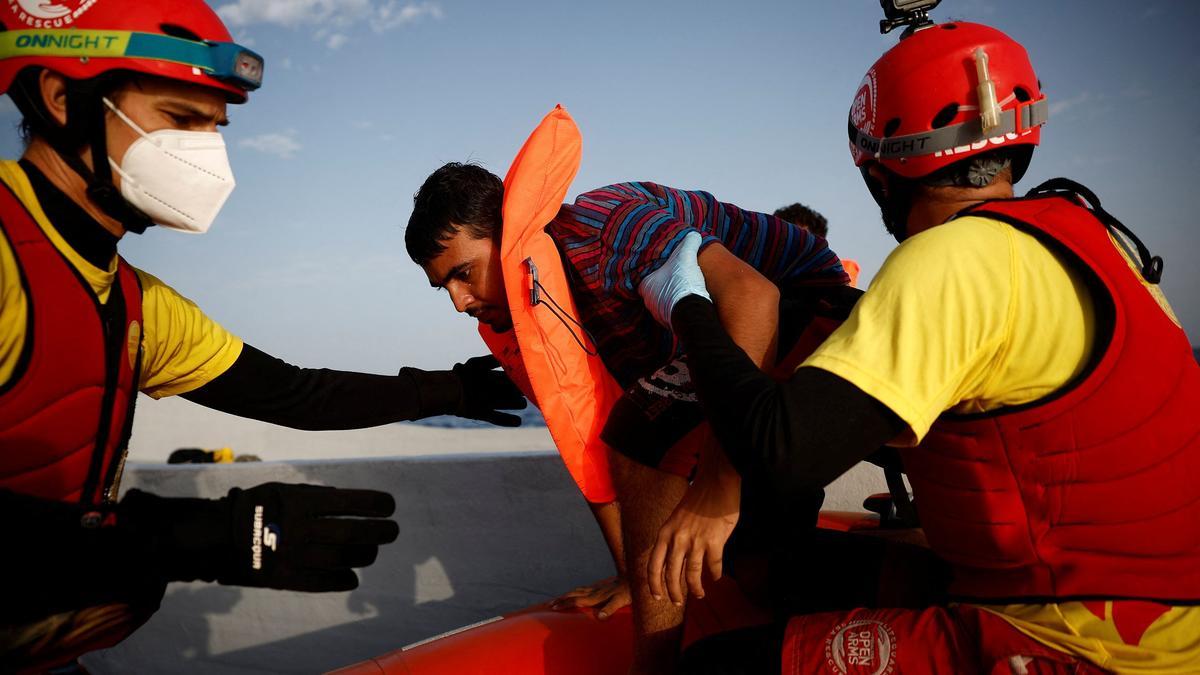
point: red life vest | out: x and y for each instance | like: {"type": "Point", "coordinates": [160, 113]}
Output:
{"type": "Point", "coordinates": [1094, 491]}
{"type": "Point", "coordinates": [67, 409]}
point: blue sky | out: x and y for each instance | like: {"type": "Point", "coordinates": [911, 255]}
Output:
{"type": "Point", "coordinates": [363, 98]}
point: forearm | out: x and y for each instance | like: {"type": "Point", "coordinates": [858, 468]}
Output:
{"type": "Point", "coordinates": [796, 435]}
{"type": "Point", "coordinates": [746, 302]}
{"type": "Point", "coordinates": [261, 387]}
{"type": "Point", "coordinates": [608, 517]}
{"type": "Point", "coordinates": [748, 307]}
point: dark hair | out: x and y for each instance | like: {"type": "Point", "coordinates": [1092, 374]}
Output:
{"type": "Point", "coordinates": [25, 92]}
{"type": "Point", "coordinates": [980, 171]}
{"type": "Point", "coordinates": [799, 214]}
{"type": "Point", "coordinates": [456, 195]}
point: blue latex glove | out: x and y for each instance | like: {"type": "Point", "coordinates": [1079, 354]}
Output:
{"type": "Point", "coordinates": [678, 278]}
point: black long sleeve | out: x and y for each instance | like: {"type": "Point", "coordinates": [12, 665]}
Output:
{"type": "Point", "coordinates": [795, 435]}
{"type": "Point", "coordinates": [262, 387]}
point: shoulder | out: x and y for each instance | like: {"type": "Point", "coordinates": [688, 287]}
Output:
{"type": "Point", "coordinates": [618, 193]}
{"type": "Point", "coordinates": [152, 286]}
{"type": "Point", "coordinates": [965, 249]}
{"type": "Point", "coordinates": [161, 300]}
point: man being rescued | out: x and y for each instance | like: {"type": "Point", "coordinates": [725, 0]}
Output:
{"type": "Point", "coordinates": [510, 252]}
{"type": "Point", "coordinates": [1021, 355]}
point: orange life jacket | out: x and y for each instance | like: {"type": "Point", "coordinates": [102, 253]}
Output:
{"type": "Point", "coordinates": [853, 269]}
{"type": "Point", "coordinates": [547, 354]}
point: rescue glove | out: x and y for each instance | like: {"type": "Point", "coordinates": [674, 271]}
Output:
{"type": "Point", "coordinates": [276, 535]}
{"type": "Point", "coordinates": [486, 391]}
{"type": "Point", "coordinates": [474, 390]}
{"type": "Point", "coordinates": [679, 277]}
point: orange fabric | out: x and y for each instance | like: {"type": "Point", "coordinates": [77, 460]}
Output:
{"type": "Point", "coordinates": [852, 268]}
{"type": "Point", "coordinates": [541, 354]}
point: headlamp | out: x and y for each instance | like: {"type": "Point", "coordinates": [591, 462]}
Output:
{"type": "Point", "coordinates": [234, 63]}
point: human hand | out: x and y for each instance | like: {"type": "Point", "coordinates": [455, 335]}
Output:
{"type": "Point", "coordinates": [679, 277]}
{"type": "Point", "coordinates": [275, 535]}
{"type": "Point", "coordinates": [693, 538]}
{"type": "Point", "coordinates": [610, 594]}
{"type": "Point", "coordinates": [486, 391]}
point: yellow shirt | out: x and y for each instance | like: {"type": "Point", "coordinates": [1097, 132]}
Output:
{"type": "Point", "coordinates": [971, 316]}
{"type": "Point", "coordinates": [182, 348]}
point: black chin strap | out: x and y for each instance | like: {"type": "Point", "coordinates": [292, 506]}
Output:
{"type": "Point", "coordinates": [894, 207]}
{"type": "Point", "coordinates": [1152, 265]}
{"type": "Point", "coordinates": [84, 103]}
{"type": "Point", "coordinates": [85, 124]}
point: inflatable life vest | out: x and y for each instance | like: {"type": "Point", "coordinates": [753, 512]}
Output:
{"type": "Point", "coordinates": [1093, 492]}
{"type": "Point", "coordinates": [67, 409]}
{"type": "Point", "coordinates": [853, 269]}
{"type": "Point", "coordinates": [547, 354]}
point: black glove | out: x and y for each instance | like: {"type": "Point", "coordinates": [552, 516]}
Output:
{"type": "Point", "coordinates": [275, 535]}
{"type": "Point", "coordinates": [486, 391]}
{"type": "Point", "coordinates": [475, 390]}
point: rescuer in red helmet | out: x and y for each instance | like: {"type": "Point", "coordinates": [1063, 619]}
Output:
{"type": "Point", "coordinates": [121, 102]}
{"type": "Point", "coordinates": [1020, 354]}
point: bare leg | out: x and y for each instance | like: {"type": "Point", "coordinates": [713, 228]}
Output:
{"type": "Point", "coordinates": [648, 496]}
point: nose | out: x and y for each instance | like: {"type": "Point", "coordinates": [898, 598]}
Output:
{"type": "Point", "coordinates": [461, 297]}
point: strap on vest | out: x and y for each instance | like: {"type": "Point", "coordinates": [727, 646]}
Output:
{"type": "Point", "coordinates": [1152, 265]}
{"type": "Point", "coordinates": [537, 290]}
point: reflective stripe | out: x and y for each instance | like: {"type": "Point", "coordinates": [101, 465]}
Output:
{"type": "Point", "coordinates": [97, 43]}
{"type": "Point", "coordinates": [220, 59]}
{"type": "Point", "coordinates": [966, 133]}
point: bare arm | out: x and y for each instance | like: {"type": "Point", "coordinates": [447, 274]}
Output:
{"type": "Point", "coordinates": [608, 516]}
{"type": "Point", "coordinates": [746, 301]}
{"type": "Point", "coordinates": [607, 595]}
{"type": "Point", "coordinates": [693, 537]}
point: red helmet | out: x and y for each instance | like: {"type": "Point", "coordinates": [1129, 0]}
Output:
{"type": "Point", "coordinates": [945, 93]}
{"type": "Point", "coordinates": [177, 39]}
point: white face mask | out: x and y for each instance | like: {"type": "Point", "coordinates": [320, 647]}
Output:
{"type": "Point", "coordinates": [180, 179]}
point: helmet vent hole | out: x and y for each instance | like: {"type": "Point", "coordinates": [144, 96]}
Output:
{"type": "Point", "coordinates": [179, 32]}
{"type": "Point", "coordinates": [949, 26]}
{"type": "Point", "coordinates": [1022, 94]}
{"type": "Point", "coordinates": [891, 127]}
{"type": "Point", "coordinates": [945, 115]}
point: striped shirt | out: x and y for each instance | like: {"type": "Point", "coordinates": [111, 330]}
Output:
{"type": "Point", "coordinates": [613, 237]}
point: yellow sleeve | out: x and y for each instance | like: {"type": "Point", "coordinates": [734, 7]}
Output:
{"type": "Point", "coordinates": [13, 312]}
{"type": "Point", "coordinates": [183, 348]}
{"type": "Point", "coordinates": [936, 317]}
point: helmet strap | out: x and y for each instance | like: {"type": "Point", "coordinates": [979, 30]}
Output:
{"type": "Point", "coordinates": [895, 201]}
{"type": "Point", "coordinates": [83, 104]}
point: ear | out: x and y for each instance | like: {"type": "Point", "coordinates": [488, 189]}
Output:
{"type": "Point", "coordinates": [53, 88]}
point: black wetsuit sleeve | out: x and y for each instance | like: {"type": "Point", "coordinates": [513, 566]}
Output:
{"type": "Point", "coordinates": [795, 435]}
{"type": "Point", "coordinates": [262, 387]}
{"type": "Point", "coordinates": [63, 565]}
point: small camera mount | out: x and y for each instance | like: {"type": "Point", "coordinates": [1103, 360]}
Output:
{"type": "Point", "coordinates": [911, 13]}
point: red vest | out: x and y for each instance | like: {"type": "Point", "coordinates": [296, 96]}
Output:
{"type": "Point", "coordinates": [1094, 491]}
{"type": "Point", "coordinates": [66, 411]}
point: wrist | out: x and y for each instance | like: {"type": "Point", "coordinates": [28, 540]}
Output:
{"type": "Point", "coordinates": [693, 313]}
{"type": "Point", "coordinates": [188, 538]}
{"type": "Point", "coordinates": [440, 392]}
